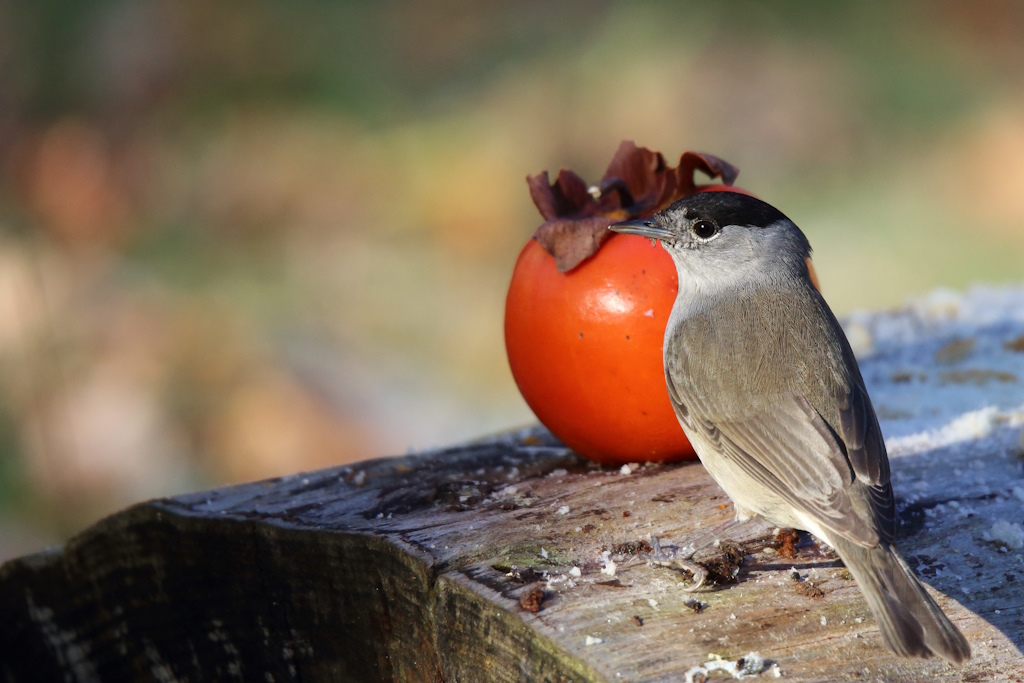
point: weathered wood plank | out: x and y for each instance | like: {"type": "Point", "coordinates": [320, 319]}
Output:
{"type": "Point", "coordinates": [402, 568]}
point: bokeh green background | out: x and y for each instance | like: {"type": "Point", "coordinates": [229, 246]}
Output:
{"type": "Point", "coordinates": [240, 239]}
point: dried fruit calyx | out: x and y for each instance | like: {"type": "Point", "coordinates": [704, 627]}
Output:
{"type": "Point", "coordinates": [637, 183]}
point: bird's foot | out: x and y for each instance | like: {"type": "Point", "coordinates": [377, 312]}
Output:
{"type": "Point", "coordinates": [673, 559]}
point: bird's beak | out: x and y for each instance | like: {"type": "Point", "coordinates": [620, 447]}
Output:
{"type": "Point", "coordinates": [645, 227]}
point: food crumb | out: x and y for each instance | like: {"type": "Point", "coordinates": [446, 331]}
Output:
{"type": "Point", "coordinates": [532, 598]}
{"type": "Point", "coordinates": [591, 640]}
{"type": "Point", "coordinates": [724, 567]}
{"type": "Point", "coordinates": [810, 590]}
{"type": "Point", "coordinates": [609, 563]}
{"type": "Point", "coordinates": [752, 664]}
{"type": "Point", "coordinates": [694, 604]}
{"type": "Point", "coordinates": [632, 547]}
{"type": "Point", "coordinates": [639, 621]}
{"type": "Point", "coordinates": [785, 542]}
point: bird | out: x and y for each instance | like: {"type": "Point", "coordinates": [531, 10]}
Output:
{"type": "Point", "coordinates": [768, 391]}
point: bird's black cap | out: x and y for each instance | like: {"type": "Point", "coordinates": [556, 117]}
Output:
{"type": "Point", "coordinates": [727, 208]}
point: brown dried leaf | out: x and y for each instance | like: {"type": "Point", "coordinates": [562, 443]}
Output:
{"type": "Point", "coordinates": [639, 176]}
{"type": "Point", "coordinates": [637, 183]}
{"type": "Point", "coordinates": [571, 240]}
{"type": "Point", "coordinates": [708, 164]}
{"type": "Point", "coordinates": [562, 197]}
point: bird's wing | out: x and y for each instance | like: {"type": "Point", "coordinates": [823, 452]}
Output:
{"type": "Point", "coordinates": [859, 431]}
{"type": "Point", "coordinates": [861, 438]}
{"type": "Point", "coordinates": [793, 452]}
{"type": "Point", "coordinates": [809, 435]}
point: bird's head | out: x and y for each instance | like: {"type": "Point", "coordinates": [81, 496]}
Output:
{"type": "Point", "coordinates": [725, 240]}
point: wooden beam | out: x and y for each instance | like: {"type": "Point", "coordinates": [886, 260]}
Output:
{"type": "Point", "coordinates": [512, 559]}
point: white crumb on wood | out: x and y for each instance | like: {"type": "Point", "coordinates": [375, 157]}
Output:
{"type": "Point", "coordinates": [747, 666]}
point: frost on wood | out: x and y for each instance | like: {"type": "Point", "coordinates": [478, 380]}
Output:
{"type": "Point", "coordinates": [512, 559]}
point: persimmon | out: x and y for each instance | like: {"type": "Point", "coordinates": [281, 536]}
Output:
{"type": "Point", "coordinates": [585, 349]}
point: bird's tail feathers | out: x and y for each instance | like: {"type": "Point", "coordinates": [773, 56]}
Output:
{"type": "Point", "coordinates": [912, 623]}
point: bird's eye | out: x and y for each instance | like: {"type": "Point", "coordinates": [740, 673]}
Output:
{"type": "Point", "coordinates": [704, 229]}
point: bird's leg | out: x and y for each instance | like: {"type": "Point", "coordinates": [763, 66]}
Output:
{"type": "Point", "coordinates": [681, 559]}
{"type": "Point", "coordinates": [693, 547]}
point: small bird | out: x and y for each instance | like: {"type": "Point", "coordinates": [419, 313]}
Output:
{"type": "Point", "coordinates": [768, 391]}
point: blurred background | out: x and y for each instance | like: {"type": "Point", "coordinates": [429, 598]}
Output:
{"type": "Point", "coordinates": [243, 239]}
